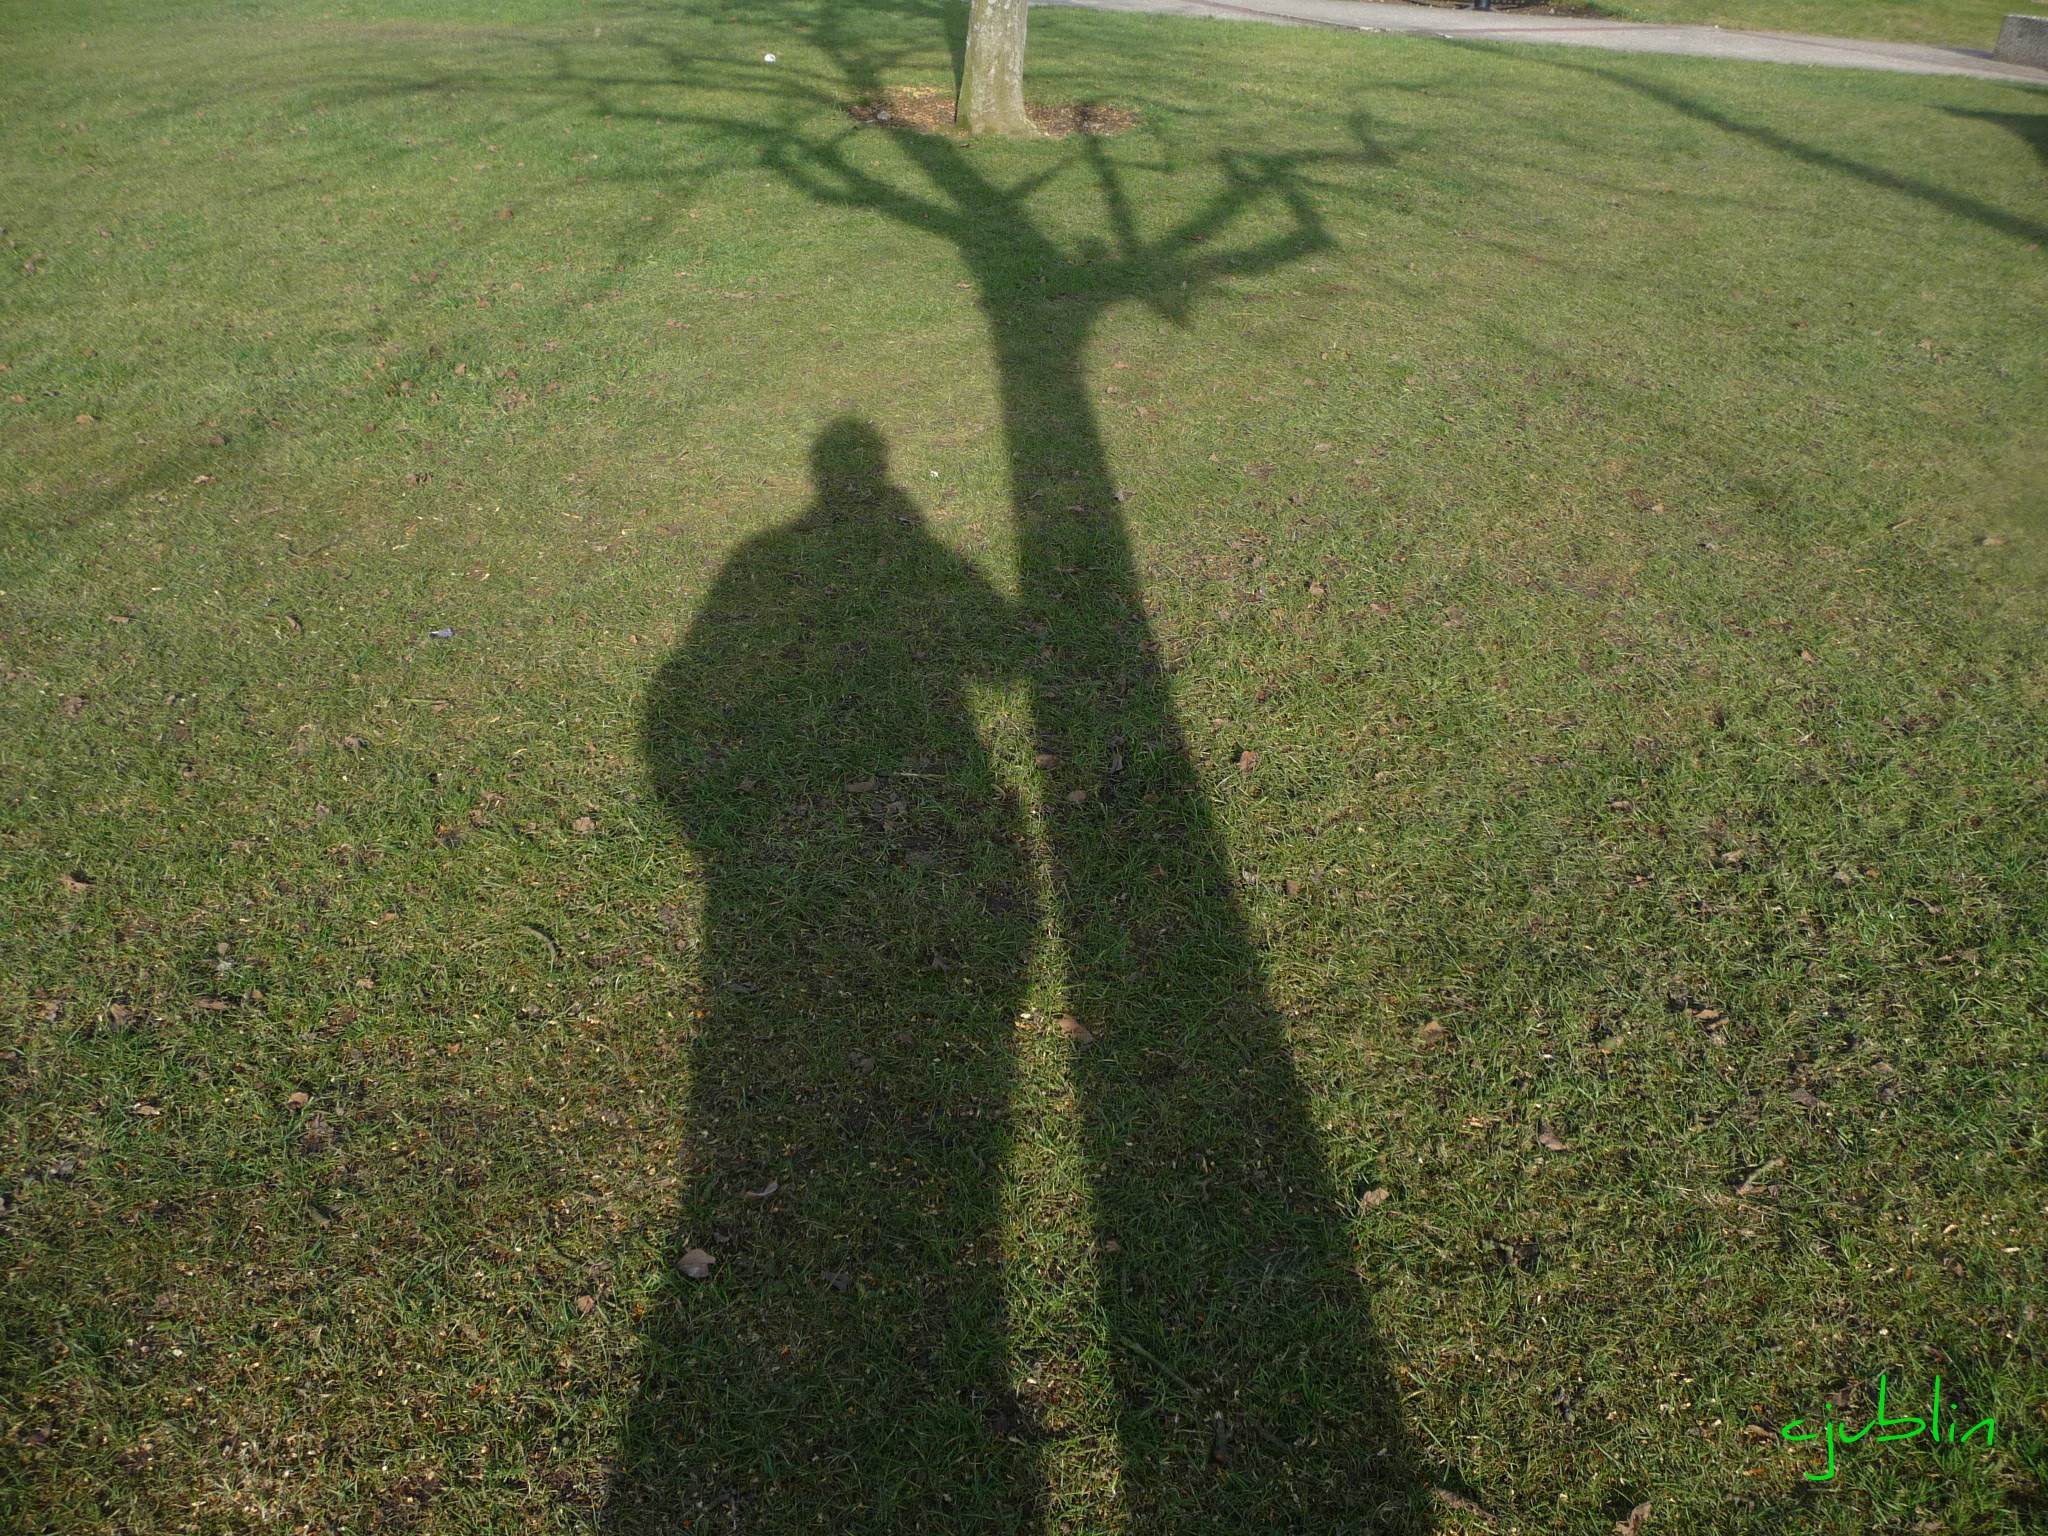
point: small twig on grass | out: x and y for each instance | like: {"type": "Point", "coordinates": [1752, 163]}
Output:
{"type": "Point", "coordinates": [554, 949]}
{"type": "Point", "coordinates": [1185, 1386]}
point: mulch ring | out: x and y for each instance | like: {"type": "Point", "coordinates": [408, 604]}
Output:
{"type": "Point", "coordinates": [927, 109]}
{"type": "Point", "coordinates": [1526, 7]}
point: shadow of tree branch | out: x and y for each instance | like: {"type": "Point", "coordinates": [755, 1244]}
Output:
{"type": "Point", "coordinates": [1959, 204]}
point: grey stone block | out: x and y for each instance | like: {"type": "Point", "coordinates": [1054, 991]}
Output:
{"type": "Point", "coordinates": [2023, 40]}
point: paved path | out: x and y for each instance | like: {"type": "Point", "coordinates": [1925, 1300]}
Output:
{"type": "Point", "coordinates": [1590, 32]}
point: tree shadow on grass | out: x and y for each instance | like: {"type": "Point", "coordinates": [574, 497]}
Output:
{"type": "Point", "coordinates": [845, 1365]}
{"type": "Point", "coordinates": [2032, 127]}
{"type": "Point", "coordinates": [1958, 204]}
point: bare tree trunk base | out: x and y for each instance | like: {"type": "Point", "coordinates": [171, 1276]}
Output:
{"type": "Point", "coordinates": [991, 97]}
{"type": "Point", "coordinates": [996, 122]}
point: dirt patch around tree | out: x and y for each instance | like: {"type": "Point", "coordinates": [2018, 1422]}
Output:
{"type": "Point", "coordinates": [1526, 7]}
{"type": "Point", "coordinates": [927, 109]}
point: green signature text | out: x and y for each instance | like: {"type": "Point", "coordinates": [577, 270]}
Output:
{"type": "Point", "coordinates": [1902, 1428]}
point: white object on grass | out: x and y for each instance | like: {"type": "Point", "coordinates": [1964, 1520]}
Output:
{"type": "Point", "coordinates": [767, 58]}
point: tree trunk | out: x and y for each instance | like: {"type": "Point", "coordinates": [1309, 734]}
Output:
{"type": "Point", "coordinates": [991, 96]}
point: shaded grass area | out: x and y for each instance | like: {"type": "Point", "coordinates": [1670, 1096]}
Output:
{"type": "Point", "coordinates": [1956, 23]}
{"type": "Point", "coordinates": [1614, 532]}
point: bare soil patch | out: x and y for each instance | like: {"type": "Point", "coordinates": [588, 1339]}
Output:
{"type": "Point", "coordinates": [1525, 7]}
{"type": "Point", "coordinates": [928, 109]}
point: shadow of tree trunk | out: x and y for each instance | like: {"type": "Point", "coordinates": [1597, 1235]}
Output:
{"type": "Point", "coordinates": [1237, 1322]}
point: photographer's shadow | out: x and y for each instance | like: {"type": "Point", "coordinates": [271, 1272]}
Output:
{"type": "Point", "coordinates": [869, 914]}
{"type": "Point", "coordinates": [872, 913]}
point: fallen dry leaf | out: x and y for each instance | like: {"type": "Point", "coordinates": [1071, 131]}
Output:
{"type": "Point", "coordinates": [696, 1264]}
{"type": "Point", "coordinates": [1077, 796]}
{"type": "Point", "coordinates": [585, 1305]}
{"type": "Point", "coordinates": [1637, 1519]}
{"type": "Point", "coordinates": [1047, 759]}
{"type": "Point", "coordinates": [1372, 1199]}
{"type": "Point", "coordinates": [298, 1100]}
{"type": "Point", "coordinates": [1463, 1505]}
{"type": "Point", "coordinates": [1247, 760]}
{"type": "Point", "coordinates": [1431, 1033]}
{"type": "Point", "coordinates": [1548, 1139]}
{"type": "Point", "coordinates": [1073, 1029]}
{"type": "Point", "coordinates": [866, 786]}
{"type": "Point", "coordinates": [583, 824]}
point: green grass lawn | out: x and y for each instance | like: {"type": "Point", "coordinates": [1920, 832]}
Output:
{"type": "Point", "coordinates": [1484, 643]}
{"type": "Point", "coordinates": [1953, 23]}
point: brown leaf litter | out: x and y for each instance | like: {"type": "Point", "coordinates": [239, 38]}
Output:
{"type": "Point", "coordinates": [927, 109]}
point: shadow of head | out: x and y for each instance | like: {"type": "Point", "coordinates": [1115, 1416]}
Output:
{"type": "Point", "coordinates": [850, 462]}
